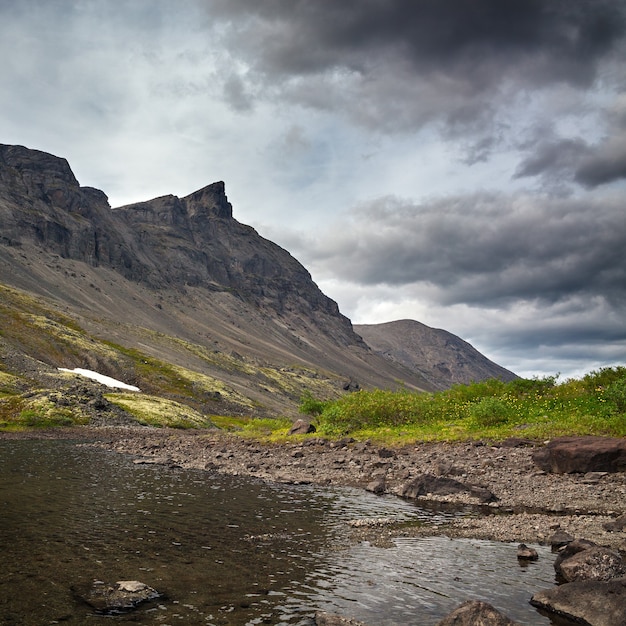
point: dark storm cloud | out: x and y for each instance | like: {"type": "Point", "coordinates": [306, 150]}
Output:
{"type": "Point", "coordinates": [560, 160]}
{"type": "Point", "coordinates": [439, 59]}
{"type": "Point", "coordinates": [491, 249]}
{"type": "Point", "coordinates": [606, 165]}
{"type": "Point", "coordinates": [554, 157]}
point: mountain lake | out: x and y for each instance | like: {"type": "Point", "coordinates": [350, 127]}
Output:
{"type": "Point", "coordinates": [228, 550]}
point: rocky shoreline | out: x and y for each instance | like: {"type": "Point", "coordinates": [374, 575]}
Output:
{"type": "Point", "coordinates": [509, 497]}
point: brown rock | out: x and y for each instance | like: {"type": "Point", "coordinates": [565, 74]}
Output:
{"type": "Point", "coordinates": [567, 455]}
{"type": "Point", "coordinates": [594, 602]}
{"type": "Point", "coordinates": [595, 563]}
{"type": "Point", "coordinates": [376, 486]}
{"type": "Point", "coordinates": [301, 427]}
{"type": "Point", "coordinates": [525, 553]}
{"type": "Point", "coordinates": [559, 540]}
{"type": "Point", "coordinates": [439, 485]}
{"type": "Point", "coordinates": [616, 525]}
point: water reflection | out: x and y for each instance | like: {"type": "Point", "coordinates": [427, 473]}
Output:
{"type": "Point", "coordinates": [225, 550]}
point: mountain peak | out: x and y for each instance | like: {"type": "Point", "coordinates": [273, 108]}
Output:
{"type": "Point", "coordinates": [210, 199]}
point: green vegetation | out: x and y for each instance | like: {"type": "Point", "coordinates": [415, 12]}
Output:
{"type": "Point", "coordinates": [268, 429]}
{"type": "Point", "coordinates": [37, 410]}
{"type": "Point", "coordinates": [155, 411]}
{"type": "Point", "coordinates": [492, 409]}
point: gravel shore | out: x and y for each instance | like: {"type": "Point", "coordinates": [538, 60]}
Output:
{"type": "Point", "coordinates": [531, 504]}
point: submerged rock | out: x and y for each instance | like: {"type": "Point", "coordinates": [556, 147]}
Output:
{"type": "Point", "coordinates": [120, 597]}
{"type": "Point", "coordinates": [439, 485]}
{"type": "Point", "coordinates": [524, 553]}
{"type": "Point", "coordinates": [476, 613]}
{"type": "Point", "coordinates": [330, 619]}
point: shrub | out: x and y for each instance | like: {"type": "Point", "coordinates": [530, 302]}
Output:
{"type": "Point", "coordinates": [616, 394]}
{"type": "Point", "coordinates": [310, 405]}
{"type": "Point", "coordinates": [490, 411]}
{"type": "Point", "coordinates": [603, 377]}
{"type": "Point", "coordinates": [533, 386]}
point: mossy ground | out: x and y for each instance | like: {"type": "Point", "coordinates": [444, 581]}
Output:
{"type": "Point", "coordinates": [157, 411]}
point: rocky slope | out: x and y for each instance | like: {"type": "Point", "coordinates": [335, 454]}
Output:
{"type": "Point", "coordinates": [439, 356]}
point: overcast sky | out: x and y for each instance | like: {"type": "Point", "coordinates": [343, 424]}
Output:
{"type": "Point", "coordinates": [457, 162]}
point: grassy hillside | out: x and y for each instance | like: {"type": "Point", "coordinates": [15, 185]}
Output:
{"type": "Point", "coordinates": [36, 339]}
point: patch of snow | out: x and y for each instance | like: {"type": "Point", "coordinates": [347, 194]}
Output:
{"type": "Point", "coordinates": [101, 378]}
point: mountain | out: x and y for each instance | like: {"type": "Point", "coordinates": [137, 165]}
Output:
{"type": "Point", "coordinates": [177, 297]}
{"type": "Point", "coordinates": [440, 357]}
{"type": "Point", "coordinates": [173, 295]}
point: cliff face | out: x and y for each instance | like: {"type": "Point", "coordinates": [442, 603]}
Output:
{"type": "Point", "coordinates": [164, 242]}
{"type": "Point", "coordinates": [41, 201]}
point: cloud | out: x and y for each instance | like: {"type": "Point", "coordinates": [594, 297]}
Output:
{"type": "Point", "coordinates": [489, 248]}
{"type": "Point", "coordinates": [554, 157]}
{"type": "Point", "coordinates": [482, 143]}
{"type": "Point", "coordinates": [558, 160]}
{"type": "Point", "coordinates": [396, 65]}
{"type": "Point", "coordinates": [605, 165]}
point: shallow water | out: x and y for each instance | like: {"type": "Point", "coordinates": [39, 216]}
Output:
{"type": "Point", "coordinates": [227, 550]}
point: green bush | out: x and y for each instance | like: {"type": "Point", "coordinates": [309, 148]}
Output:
{"type": "Point", "coordinates": [490, 411]}
{"type": "Point", "coordinates": [616, 394]}
{"type": "Point", "coordinates": [603, 377]}
{"type": "Point", "coordinates": [310, 405]}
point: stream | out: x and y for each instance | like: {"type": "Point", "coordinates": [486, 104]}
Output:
{"type": "Point", "coordinates": [228, 550]}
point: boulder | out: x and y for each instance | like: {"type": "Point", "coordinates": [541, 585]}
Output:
{"type": "Point", "coordinates": [617, 525]}
{"type": "Point", "coordinates": [524, 553]}
{"type": "Point", "coordinates": [574, 546]}
{"type": "Point", "coordinates": [301, 427]}
{"type": "Point", "coordinates": [596, 563]}
{"type": "Point", "coordinates": [568, 455]}
{"type": "Point", "coordinates": [120, 597]}
{"type": "Point", "coordinates": [593, 602]}
{"type": "Point", "coordinates": [442, 486]}
{"type": "Point", "coordinates": [476, 613]}
{"type": "Point", "coordinates": [377, 486]}
{"type": "Point", "coordinates": [559, 540]}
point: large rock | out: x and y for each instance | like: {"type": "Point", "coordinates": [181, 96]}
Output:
{"type": "Point", "coordinates": [594, 563]}
{"type": "Point", "coordinates": [442, 486]}
{"type": "Point", "coordinates": [476, 613]}
{"type": "Point", "coordinates": [301, 427]}
{"type": "Point", "coordinates": [567, 455]}
{"type": "Point", "coordinates": [591, 603]}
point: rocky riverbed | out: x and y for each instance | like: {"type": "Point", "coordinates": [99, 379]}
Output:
{"type": "Point", "coordinates": [512, 498]}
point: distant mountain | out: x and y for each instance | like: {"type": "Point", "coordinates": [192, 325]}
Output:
{"type": "Point", "coordinates": [440, 357]}
{"type": "Point", "coordinates": [174, 283]}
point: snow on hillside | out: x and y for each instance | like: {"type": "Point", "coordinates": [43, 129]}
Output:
{"type": "Point", "coordinates": [101, 378]}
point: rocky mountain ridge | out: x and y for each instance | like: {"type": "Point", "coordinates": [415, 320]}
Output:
{"type": "Point", "coordinates": [174, 279]}
{"type": "Point", "coordinates": [439, 356]}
